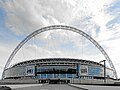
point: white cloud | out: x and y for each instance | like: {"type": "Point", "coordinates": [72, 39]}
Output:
{"type": "Point", "coordinates": [24, 16]}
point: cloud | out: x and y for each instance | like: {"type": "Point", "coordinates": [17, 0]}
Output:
{"type": "Point", "coordinates": [25, 17]}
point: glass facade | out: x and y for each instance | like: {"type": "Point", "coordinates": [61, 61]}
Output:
{"type": "Point", "coordinates": [68, 71]}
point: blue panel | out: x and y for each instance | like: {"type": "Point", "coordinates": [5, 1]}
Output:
{"type": "Point", "coordinates": [43, 75]}
{"type": "Point", "coordinates": [49, 75]}
{"type": "Point", "coordinates": [69, 75]}
{"type": "Point", "coordinates": [94, 70]}
{"type": "Point", "coordinates": [74, 75]}
{"type": "Point", "coordinates": [62, 75]}
{"type": "Point", "coordinates": [56, 75]}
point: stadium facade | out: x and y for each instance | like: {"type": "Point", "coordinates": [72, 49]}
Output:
{"type": "Point", "coordinates": [57, 69]}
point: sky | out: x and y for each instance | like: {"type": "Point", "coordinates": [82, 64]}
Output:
{"type": "Point", "coordinates": [98, 18]}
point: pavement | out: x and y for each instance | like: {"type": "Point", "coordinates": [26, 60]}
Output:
{"type": "Point", "coordinates": [16, 86]}
{"type": "Point", "coordinates": [60, 87]}
{"type": "Point", "coordinates": [97, 87]}
{"type": "Point", "coordinates": [49, 87]}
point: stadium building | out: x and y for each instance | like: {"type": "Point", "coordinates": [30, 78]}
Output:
{"type": "Point", "coordinates": [55, 70]}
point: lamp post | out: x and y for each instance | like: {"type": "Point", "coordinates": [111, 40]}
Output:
{"type": "Point", "coordinates": [104, 70]}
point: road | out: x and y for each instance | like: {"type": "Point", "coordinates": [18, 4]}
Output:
{"type": "Point", "coordinates": [49, 87]}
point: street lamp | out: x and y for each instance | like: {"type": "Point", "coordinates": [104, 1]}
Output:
{"type": "Point", "coordinates": [104, 70]}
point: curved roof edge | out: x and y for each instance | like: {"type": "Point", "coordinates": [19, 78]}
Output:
{"type": "Point", "coordinates": [66, 60]}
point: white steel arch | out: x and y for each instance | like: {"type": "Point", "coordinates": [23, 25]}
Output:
{"type": "Point", "coordinates": [62, 27]}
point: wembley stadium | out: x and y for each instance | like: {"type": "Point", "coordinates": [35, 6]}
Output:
{"type": "Point", "coordinates": [59, 70]}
